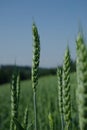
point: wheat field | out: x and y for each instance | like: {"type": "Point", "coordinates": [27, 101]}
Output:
{"type": "Point", "coordinates": [47, 102]}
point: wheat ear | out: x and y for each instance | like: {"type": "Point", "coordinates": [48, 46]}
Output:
{"type": "Point", "coordinates": [82, 81]}
{"type": "Point", "coordinates": [50, 121]}
{"type": "Point", "coordinates": [18, 90]}
{"type": "Point", "coordinates": [60, 95]}
{"type": "Point", "coordinates": [66, 90]}
{"type": "Point", "coordinates": [26, 123]}
{"type": "Point", "coordinates": [13, 102]}
{"type": "Point", "coordinates": [35, 66]}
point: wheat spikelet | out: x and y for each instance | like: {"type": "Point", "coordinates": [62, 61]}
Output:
{"type": "Point", "coordinates": [26, 119]}
{"type": "Point", "coordinates": [60, 95]}
{"type": "Point", "coordinates": [13, 102]}
{"type": "Point", "coordinates": [60, 90]}
{"type": "Point", "coordinates": [36, 56]}
{"type": "Point", "coordinates": [82, 82]}
{"type": "Point", "coordinates": [18, 91]}
{"type": "Point", "coordinates": [35, 66]}
{"type": "Point", "coordinates": [18, 88]}
{"type": "Point", "coordinates": [50, 121]}
{"type": "Point", "coordinates": [66, 89]}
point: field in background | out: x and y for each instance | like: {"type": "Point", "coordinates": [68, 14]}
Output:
{"type": "Point", "coordinates": [47, 102]}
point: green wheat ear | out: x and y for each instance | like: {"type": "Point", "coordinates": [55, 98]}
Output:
{"type": "Point", "coordinates": [13, 102]}
{"type": "Point", "coordinates": [18, 87]}
{"type": "Point", "coordinates": [26, 123]}
{"type": "Point", "coordinates": [66, 90]}
{"type": "Point", "coordinates": [82, 81]}
{"type": "Point", "coordinates": [35, 66]}
{"type": "Point", "coordinates": [60, 95]}
{"type": "Point", "coordinates": [36, 56]}
{"type": "Point", "coordinates": [60, 89]}
{"type": "Point", "coordinates": [18, 90]}
{"type": "Point", "coordinates": [50, 121]}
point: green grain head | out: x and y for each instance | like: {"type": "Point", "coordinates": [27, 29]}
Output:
{"type": "Point", "coordinates": [60, 96]}
{"type": "Point", "coordinates": [66, 89]}
{"type": "Point", "coordinates": [50, 121]}
{"type": "Point", "coordinates": [60, 90]}
{"type": "Point", "coordinates": [36, 56]}
{"type": "Point", "coordinates": [26, 123]}
{"type": "Point", "coordinates": [35, 67]}
{"type": "Point", "coordinates": [82, 81]}
{"type": "Point", "coordinates": [18, 88]}
{"type": "Point", "coordinates": [13, 102]}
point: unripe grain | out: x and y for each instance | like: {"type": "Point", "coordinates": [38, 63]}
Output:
{"type": "Point", "coordinates": [35, 66]}
{"type": "Point", "coordinates": [66, 89]}
{"type": "Point", "coordinates": [82, 81]}
{"type": "Point", "coordinates": [13, 102]}
{"type": "Point", "coordinates": [26, 123]}
{"type": "Point", "coordinates": [60, 96]}
{"type": "Point", "coordinates": [36, 56]}
{"type": "Point", "coordinates": [50, 121]}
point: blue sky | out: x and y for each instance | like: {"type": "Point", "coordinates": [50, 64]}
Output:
{"type": "Point", "coordinates": [58, 24]}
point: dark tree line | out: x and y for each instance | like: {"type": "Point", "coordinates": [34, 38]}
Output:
{"type": "Point", "coordinates": [6, 72]}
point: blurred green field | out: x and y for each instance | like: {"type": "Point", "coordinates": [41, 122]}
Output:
{"type": "Point", "coordinates": [47, 101]}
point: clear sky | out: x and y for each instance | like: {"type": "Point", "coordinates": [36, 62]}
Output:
{"type": "Point", "coordinates": [57, 22]}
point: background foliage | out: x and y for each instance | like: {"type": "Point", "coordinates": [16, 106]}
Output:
{"type": "Point", "coordinates": [47, 102]}
{"type": "Point", "coordinates": [6, 72]}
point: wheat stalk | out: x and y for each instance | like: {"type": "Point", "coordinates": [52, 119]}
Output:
{"type": "Point", "coordinates": [66, 90]}
{"type": "Point", "coordinates": [35, 66]}
{"type": "Point", "coordinates": [82, 81]}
